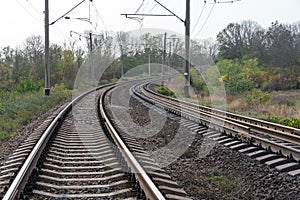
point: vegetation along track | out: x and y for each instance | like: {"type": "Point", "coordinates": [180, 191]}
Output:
{"type": "Point", "coordinates": [79, 155]}
{"type": "Point", "coordinates": [275, 145]}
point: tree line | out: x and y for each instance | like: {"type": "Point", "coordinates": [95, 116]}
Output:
{"type": "Point", "coordinates": [276, 46]}
{"type": "Point", "coordinates": [251, 57]}
{"type": "Point", "coordinates": [247, 56]}
{"type": "Point", "coordinates": [26, 65]}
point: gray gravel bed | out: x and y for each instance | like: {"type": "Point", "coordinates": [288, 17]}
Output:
{"type": "Point", "coordinates": [220, 173]}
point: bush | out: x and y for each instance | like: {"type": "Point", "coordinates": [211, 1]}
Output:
{"type": "Point", "coordinates": [28, 85]}
{"type": "Point", "coordinates": [114, 80]}
{"type": "Point", "coordinates": [239, 76]}
{"type": "Point", "coordinates": [103, 82]}
{"type": "Point", "coordinates": [198, 83]}
{"type": "Point", "coordinates": [292, 122]}
{"type": "Point", "coordinates": [257, 96]}
{"type": "Point", "coordinates": [61, 89]}
{"type": "Point", "coordinates": [165, 91]}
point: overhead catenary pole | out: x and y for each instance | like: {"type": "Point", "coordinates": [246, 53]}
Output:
{"type": "Point", "coordinates": [187, 41]}
{"type": "Point", "coordinates": [122, 61]}
{"type": "Point", "coordinates": [165, 47]}
{"type": "Point", "coordinates": [149, 65]}
{"type": "Point", "coordinates": [170, 61]}
{"type": "Point", "coordinates": [187, 50]}
{"type": "Point", "coordinates": [91, 59]}
{"type": "Point", "coordinates": [47, 60]}
{"type": "Point", "coordinates": [164, 59]}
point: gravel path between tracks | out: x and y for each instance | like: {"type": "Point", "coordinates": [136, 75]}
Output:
{"type": "Point", "coordinates": [10, 145]}
{"type": "Point", "coordinates": [221, 174]}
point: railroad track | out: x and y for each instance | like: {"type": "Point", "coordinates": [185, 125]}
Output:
{"type": "Point", "coordinates": [275, 145]}
{"type": "Point", "coordinates": [80, 155]}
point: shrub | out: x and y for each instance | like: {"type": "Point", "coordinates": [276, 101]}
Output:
{"type": "Point", "coordinates": [114, 80]}
{"type": "Point", "coordinates": [292, 122]}
{"type": "Point", "coordinates": [61, 89]}
{"type": "Point", "coordinates": [28, 85]}
{"type": "Point", "coordinates": [198, 83]}
{"type": "Point", "coordinates": [257, 96]}
{"type": "Point", "coordinates": [103, 82]}
{"type": "Point", "coordinates": [165, 91]}
{"type": "Point", "coordinates": [238, 76]}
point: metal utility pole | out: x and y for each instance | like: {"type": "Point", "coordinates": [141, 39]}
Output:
{"type": "Point", "coordinates": [187, 50]}
{"type": "Point", "coordinates": [122, 61]}
{"type": "Point", "coordinates": [91, 59]}
{"type": "Point", "coordinates": [149, 66]}
{"type": "Point", "coordinates": [165, 46]}
{"type": "Point", "coordinates": [164, 59]}
{"type": "Point", "coordinates": [47, 59]}
{"type": "Point", "coordinates": [170, 61]}
{"type": "Point", "coordinates": [187, 39]}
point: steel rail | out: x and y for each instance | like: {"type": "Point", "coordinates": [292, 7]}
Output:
{"type": "Point", "coordinates": [21, 178]}
{"type": "Point", "coordinates": [264, 127]}
{"type": "Point", "coordinates": [215, 122]}
{"type": "Point", "coordinates": [259, 124]}
{"type": "Point", "coordinates": [146, 183]}
{"type": "Point", "coordinates": [276, 130]}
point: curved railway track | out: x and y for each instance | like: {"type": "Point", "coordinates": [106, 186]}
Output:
{"type": "Point", "coordinates": [275, 145]}
{"type": "Point", "coordinates": [80, 155]}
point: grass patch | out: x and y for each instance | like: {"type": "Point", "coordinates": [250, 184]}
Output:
{"type": "Point", "coordinates": [19, 108]}
{"type": "Point", "coordinates": [223, 181]}
{"type": "Point", "coordinates": [292, 122]}
{"type": "Point", "coordinates": [165, 91]}
{"type": "Point", "coordinates": [282, 107]}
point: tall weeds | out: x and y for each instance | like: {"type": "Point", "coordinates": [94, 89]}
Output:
{"type": "Point", "coordinates": [17, 108]}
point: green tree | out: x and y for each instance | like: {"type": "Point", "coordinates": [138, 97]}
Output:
{"type": "Point", "coordinates": [67, 68]}
{"type": "Point", "coordinates": [241, 75]}
{"type": "Point", "coordinates": [231, 43]}
{"type": "Point", "coordinates": [280, 45]}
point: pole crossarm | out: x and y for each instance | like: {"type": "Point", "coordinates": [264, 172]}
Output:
{"type": "Point", "coordinates": [150, 15]}
{"type": "Point", "coordinates": [67, 12]}
{"type": "Point", "coordinates": [130, 16]}
{"type": "Point", "coordinates": [173, 14]}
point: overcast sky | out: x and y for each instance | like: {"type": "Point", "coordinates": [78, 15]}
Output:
{"type": "Point", "coordinates": [22, 18]}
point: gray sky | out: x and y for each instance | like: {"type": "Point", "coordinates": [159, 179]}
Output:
{"type": "Point", "coordinates": [22, 18]}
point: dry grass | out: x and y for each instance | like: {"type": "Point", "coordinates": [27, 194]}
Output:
{"type": "Point", "coordinates": [283, 104]}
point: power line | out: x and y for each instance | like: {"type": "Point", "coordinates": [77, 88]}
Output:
{"type": "Point", "coordinates": [199, 17]}
{"type": "Point", "coordinates": [205, 20]}
{"type": "Point", "coordinates": [152, 8]}
{"type": "Point", "coordinates": [29, 12]}
{"type": "Point", "coordinates": [140, 20]}
{"type": "Point", "coordinates": [36, 10]}
{"type": "Point", "coordinates": [99, 16]}
{"type": "Point", "coordinates": [146, 6]}
{"type": "Point", "coordinates": [140, 7]}
{"type": "Point", "coordinates": [39, 13]}
{"type": "Point", "coordinates": [210, 12]}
